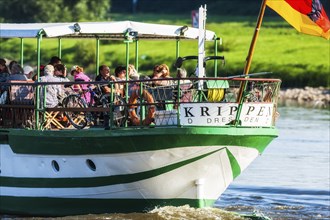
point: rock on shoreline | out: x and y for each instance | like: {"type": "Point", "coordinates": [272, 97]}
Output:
{"type": "Point", "coordinates": [316, 97]}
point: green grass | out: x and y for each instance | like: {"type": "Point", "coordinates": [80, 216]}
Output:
{"type": "Point", "coordinates": [298, 59]}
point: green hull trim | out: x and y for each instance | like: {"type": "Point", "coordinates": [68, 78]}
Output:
{"type": "Point", "coordinates": [92, 141]}
{"type": "Point", "coordinates": [30, 206]}
{"type": "Point", "coordinates": [236, 169]}
{"type": "Point", "coordinates": [94, 181]}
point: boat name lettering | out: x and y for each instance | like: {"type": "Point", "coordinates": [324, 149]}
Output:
{"type": "Point", "coordinates": [216, 114]}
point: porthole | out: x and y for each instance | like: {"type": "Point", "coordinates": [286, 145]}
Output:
{"type": "Point", "coordinates": [55, 166]}
{"type": "Point", "coordinates": [91, 164]}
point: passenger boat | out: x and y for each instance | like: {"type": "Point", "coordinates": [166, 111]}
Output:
{"type": "Point", "coordinates": [190, 141]}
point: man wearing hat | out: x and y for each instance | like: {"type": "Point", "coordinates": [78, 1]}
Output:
{"type": "Point", "coordinates": [28, 71]}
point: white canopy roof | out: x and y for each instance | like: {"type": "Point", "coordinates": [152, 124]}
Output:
{"type": "Point", "coordinates": [113, 30]}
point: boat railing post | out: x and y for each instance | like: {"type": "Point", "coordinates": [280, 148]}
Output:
{"type": "Point", "coordinates": [178, 103]}
{"type": "Point", "coordinates": [112, 86]}
{"type": "Point", "coordinates": [43, 106]}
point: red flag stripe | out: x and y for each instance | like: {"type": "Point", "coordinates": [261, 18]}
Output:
{"type": "Point", "coordinates": [314, 10]}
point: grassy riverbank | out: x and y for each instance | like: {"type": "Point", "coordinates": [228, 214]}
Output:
{"type": "Point", "coordinates": [298, 59]}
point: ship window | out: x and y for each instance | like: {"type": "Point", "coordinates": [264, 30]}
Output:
{"type": "Point", "coordinates": [91, 164]}
{"type": "Point", "coordinates": [55, 166]}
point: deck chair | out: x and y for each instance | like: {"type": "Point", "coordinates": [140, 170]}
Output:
{"type": "Point", "coordinates": [54, 118]}
{"type": "Point", "coordinates": [216, 90]}
{"type": "Point", "coordinates": [51, 116]}
{"type": "Point", "coordinates": [51, 119]}
{"type": "Point", "coordinates": [163, 96]}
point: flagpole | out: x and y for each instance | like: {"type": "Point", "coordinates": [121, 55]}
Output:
{"type": "Point", "coordinates": [249, 58]}
{"type": "Point", "coordinates": [252, 45]}
{"type": "Point", "coordinates": [254, 39]}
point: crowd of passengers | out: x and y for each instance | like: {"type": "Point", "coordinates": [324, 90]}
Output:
{"type": "Point", "coordinates": [56, 71]}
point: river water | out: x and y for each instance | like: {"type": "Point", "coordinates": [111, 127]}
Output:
{"type": "Point", "coordinates": [291, 180]}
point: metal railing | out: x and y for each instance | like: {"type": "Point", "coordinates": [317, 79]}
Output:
{"type": "Point", "coordinates": [145, 104]}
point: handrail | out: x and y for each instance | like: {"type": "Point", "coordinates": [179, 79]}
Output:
{"type": "Point", "coordinates": [168, 104]}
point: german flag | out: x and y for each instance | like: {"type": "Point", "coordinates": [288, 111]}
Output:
{"type": "Point", "coordinates": [307, 16]}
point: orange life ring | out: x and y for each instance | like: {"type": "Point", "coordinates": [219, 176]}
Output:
{"type": "Point", "coordinates": [132, 106]}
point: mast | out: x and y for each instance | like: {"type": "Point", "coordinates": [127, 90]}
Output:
{"type": "Point", "coordinates": [201, 44]}
{"type": "Point", "coordinates": [249, 59]}
{"type": "Point", "coordinates": [254, 39]}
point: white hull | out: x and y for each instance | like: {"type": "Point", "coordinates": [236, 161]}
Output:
{"type": "Point", "coordinates": [205, 178]}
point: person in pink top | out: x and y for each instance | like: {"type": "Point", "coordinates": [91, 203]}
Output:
{"type": "Point", "coordinates": [80, 76]}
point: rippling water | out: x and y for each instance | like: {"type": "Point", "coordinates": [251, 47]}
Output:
{"type": "Point", "coordinates": [291, 180]}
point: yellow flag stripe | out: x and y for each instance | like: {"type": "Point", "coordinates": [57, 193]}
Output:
{"type": "Point", "coordinates": [299, 21]}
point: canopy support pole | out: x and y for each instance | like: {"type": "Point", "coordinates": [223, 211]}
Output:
{"type": "Point", "coordinates": [59, 48]}
{"type": "Point", "coordinates": [22, 52]}
{"type": "Point", "coordinates": [137, 55]}
{"type": "Point", "coordinates": [97, 56]}
{"type": "Point", "coordinates": [177, 50]}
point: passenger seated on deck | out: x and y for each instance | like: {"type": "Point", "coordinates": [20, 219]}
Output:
{"type": "Point", "coordinates": [10, 66]}
{"type": "Point", "coordinates": [28, 71]}
{"type": "Point", "coordinates": [41, 68]}
{"type": "Point", "coordinates": [182, 73]}
{"type": "Point", "coordinates": [55, 60]}
{"type": "Point", "coordinates": [120, 73]}
{"type": "Point", "coordinates": [52, 91]}
{"type": "Point", "coordinates": [133, 75]}
{"type": "Point", "coordinates": [105, 76]}
{"type": "Point", "coordinates": [17, 73]}
{"type": "Point", "coordinates": [4, 72]}
{"type": "Point", "coordinates": [60, 73]}
{"type": "Point", "coordinates": [162, 72]}
{"type": "Point", "coordinates": [132, 72]}
{"type": "Point", "coordinates": [80, 76]}
{"type": "Point", "coordinates": [185, 87]}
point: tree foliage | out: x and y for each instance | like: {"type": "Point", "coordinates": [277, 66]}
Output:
{"type": "Point", "coordinates": [30, 11]}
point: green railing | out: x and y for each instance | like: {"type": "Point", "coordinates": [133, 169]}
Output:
{"type": "Point", "coordinates": [181, 103]}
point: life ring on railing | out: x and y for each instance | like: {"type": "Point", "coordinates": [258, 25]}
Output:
{"type": "Point", "coordinates": [133, 105]}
